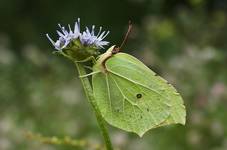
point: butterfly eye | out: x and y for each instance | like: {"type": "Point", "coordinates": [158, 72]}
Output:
{"type": "Point", "coordinates": [138, 96]}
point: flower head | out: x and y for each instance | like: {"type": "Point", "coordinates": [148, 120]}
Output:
{"type": "Point", "coordinates": [89, 38]}
{"type": "Point", "coordinates": [86, 38]}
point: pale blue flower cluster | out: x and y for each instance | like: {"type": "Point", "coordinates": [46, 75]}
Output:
{"type": "Point", "coordinates": [87, 37]}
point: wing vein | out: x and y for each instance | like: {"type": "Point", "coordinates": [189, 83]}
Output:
{"type": "Point", "coordinates": [123, 100]}
{"type": "Point", "coordinates": [108, 90]}
{"type": "Point", "coordinates": [133, 105]}
{"type": "Point", "coordinates": [137, 83]}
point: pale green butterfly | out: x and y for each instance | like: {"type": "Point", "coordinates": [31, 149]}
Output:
{"type": "Point", "coordinates": [131, 96]}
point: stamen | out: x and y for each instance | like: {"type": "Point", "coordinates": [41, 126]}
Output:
{"type": "Point", "coordinates": [78, 20]}
{"type": "Point", "coordinates": [60, 26]}
{"type": "Point", "coordinates": [50, 39]}
{"type": "Point", "coordinates": [88, 31]}
{"type": "Point", "coordinates": [100, 37]}
{"type": "Point", "coordinates": [64, 31]}
{"type": "Point", "coordinates": [100, 29]}
{"type": "Point", "coordinates": [70, 30]}
{"type": "Point", "coordinates": [60, 34]}
{"type": "Point", "coordinates": [93, 30]}
{"type": "Point", "coordinates": [106, 34]}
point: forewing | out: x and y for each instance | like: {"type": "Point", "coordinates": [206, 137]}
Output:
{"type": "Point", "coordinates": [132, 98]}
{"type": "Point", "coordinates": [135, 70]}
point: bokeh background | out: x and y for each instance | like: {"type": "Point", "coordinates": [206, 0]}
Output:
{"type": "Point", "coordinates": [185, 41]}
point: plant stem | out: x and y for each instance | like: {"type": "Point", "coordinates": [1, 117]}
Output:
{"type": "Point", "coordinates": [89, 94]}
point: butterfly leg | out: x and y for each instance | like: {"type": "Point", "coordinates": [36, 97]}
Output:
{"type": "Point", "coordinates": [89, 74]}
{"type": "Point", "coordinates": [88, 67]}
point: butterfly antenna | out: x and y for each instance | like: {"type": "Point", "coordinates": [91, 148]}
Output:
{"type": "Point", "coordinates": [127, 34]}
{"type": "Point", "coordinates": [117, 49]}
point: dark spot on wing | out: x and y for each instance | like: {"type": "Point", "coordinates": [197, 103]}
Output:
{"type": "Point", "coordinates": [139, 96]}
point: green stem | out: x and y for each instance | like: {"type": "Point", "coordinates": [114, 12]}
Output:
{"type": "Point", "coordinates": [89, 93]}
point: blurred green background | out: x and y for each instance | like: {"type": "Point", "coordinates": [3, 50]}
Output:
{"type": "Point", "coordinates": [185, 41]}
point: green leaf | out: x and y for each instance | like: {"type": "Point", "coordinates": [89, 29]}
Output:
{"type": "Point", "coordinates": [132, 97]}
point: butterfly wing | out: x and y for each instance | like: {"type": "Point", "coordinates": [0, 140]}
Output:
{"type": "Point", "coordinates": [131, 97]}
